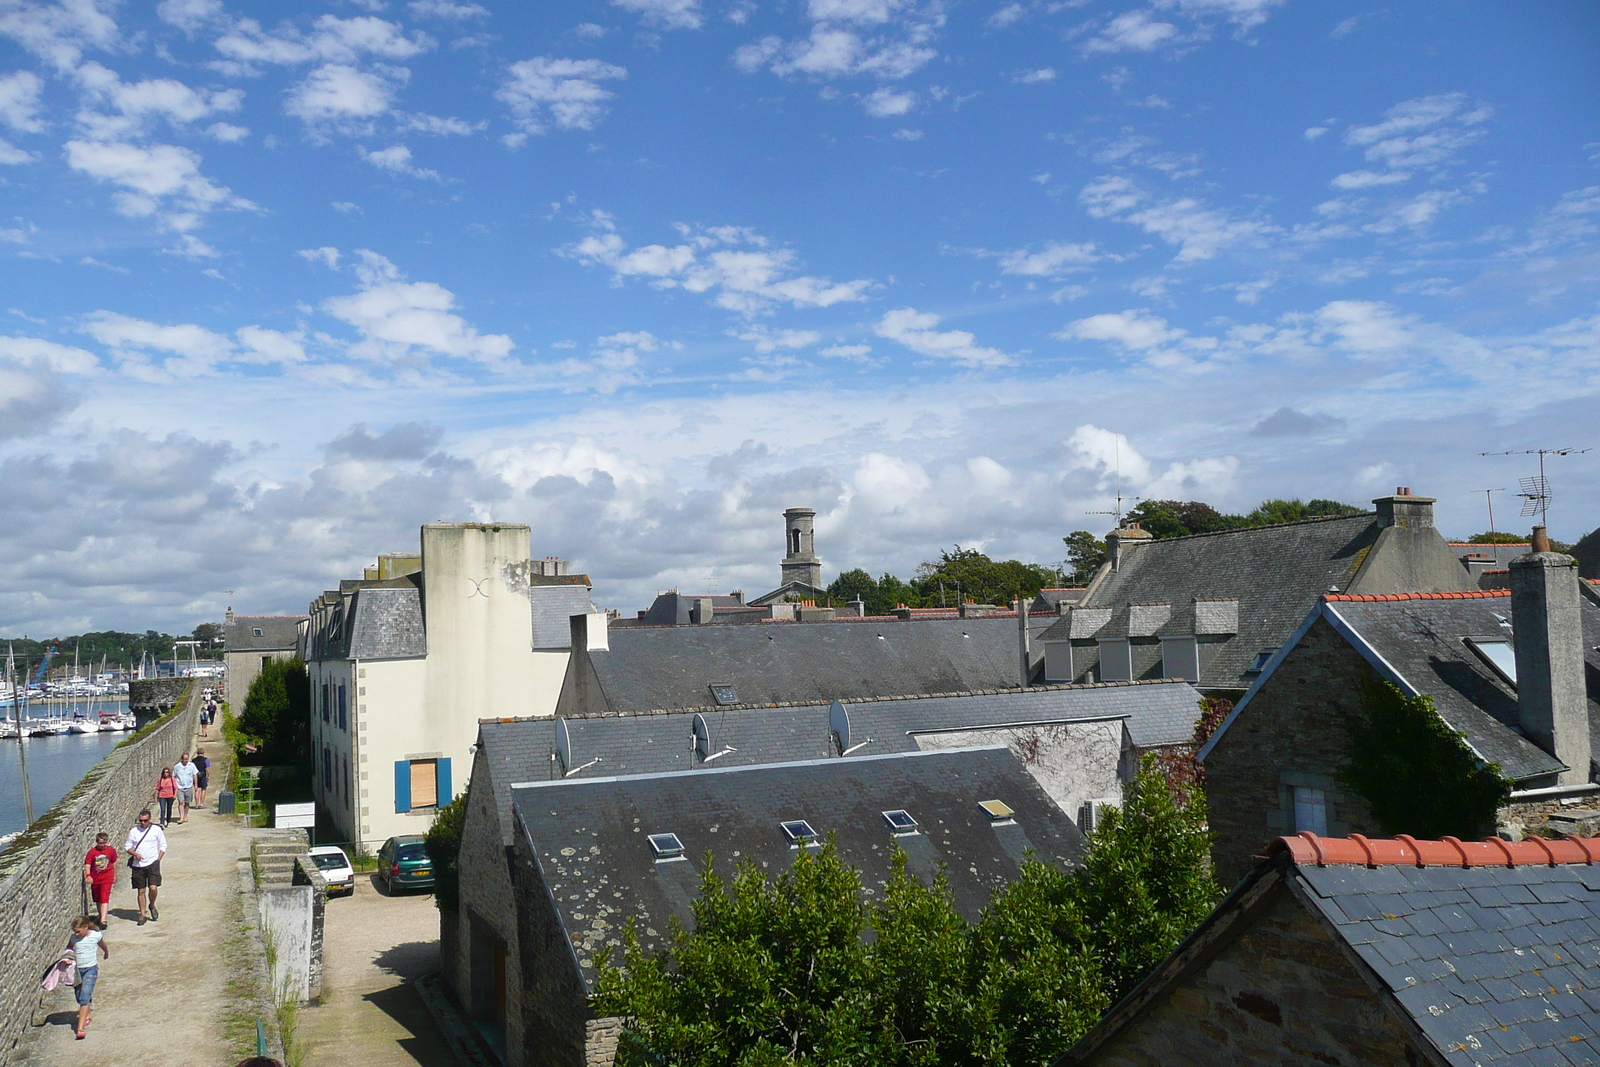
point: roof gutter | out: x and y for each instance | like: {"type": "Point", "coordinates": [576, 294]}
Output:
{"type": "Point", "coordinates": [1557, 791]}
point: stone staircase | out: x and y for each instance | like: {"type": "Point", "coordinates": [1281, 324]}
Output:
{"type": "Point", "coordinates": [273, 854]}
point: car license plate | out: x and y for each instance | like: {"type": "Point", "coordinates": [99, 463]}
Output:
{"type": "Point", "coordinates": [421, 871]}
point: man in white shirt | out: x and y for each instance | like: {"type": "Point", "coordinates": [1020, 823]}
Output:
{"type": "Point", "coordinates": [145, 846]}
{"type": "Point", "coordinates": [184, 774]}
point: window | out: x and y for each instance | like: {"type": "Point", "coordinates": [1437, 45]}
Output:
{"type": "Point", "coordinates": [347, 781]}
{"type": "Point", "coordinates": [666, 846]}
{"type": "Point", "coordinates": [257, 631]}
{"type": "Point", "coordinates": [324, 701]}
{"type": "Point", "coordinates": [900, 822]}
{"type": "Point", "coordinates": [1310, 811]}
{"type": "Point", "coordinates": [1116, 660]}
{"type": "Point", "coordinates": [327, 769]}
{"type": "Point", "coordinates": [1180, 658]}
{"type": "Point", "coordinates": [343, 722]}
{"type": "Point", "coordinates": [421, 784]}
{"type": "Point", "coordinates": [1259, 664]}
{"type": "Point", "coordinates": [1499, 655]}
{"type": "Point", "coordinates": [725, 694]}
{"type": "Point", "coordinates": [997, 810]}
{"type": "Point", "coordinates": [800, 832]}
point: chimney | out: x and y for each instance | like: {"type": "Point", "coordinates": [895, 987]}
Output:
{"type": "Point", "coordinates": [702, 611]}
{"type": "Point", "coordinates": [1121, 542]}
{"type": "Point", "coordinates": [1552, 705]}
{"type": "Point", "coordinates": [1024, 642]}
{"type": "Point", "coordinates": [1404, 510]}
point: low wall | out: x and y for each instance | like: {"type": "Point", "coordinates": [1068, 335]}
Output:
{"type": "Point", "coordinates": [41, 874]}
{"type": "Point", "coordinates": [151, 698]}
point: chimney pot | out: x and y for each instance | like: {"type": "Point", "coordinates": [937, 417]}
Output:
{"type": "Point", "coordinates": [1541, 540]}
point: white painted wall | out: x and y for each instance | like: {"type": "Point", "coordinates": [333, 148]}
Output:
{"type": "Point", "coordinates": [1073, 762]}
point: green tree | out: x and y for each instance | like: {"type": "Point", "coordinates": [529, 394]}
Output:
{"type": "Point", "coordinates": [443, 842]}
{"type": "Point", "coordinates": [1417, 773]}
{"type": "Point", "coordinates": [1177, 518]}
{"type": "Point", "coordinates": [208, 632]}
{"type": "Point", "coordinates": [852, 584]}
{"type": "Point", "coordinates": [277, 707]}
{"type": "Point", "coordinates": [980, 578]}
{"type": "Point", "coordinates": [1085, 554]}
{"type": "Point", "coordinates": [1496, 538]}
{"type": "Point", "coordinates": [1269, 512]}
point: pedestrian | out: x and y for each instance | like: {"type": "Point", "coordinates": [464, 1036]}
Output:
{"type": "Point", "coordinates": [100, 873]}
{"type": "Point", "coordinates": [185, 774]}
{"type": "Point", "coordinates": [202, 775]}
{"type": "Point", "coordinates": [145, 846]}
{"type": "Point", "coordinates": [166, 793]}
{"type": "Point", "coordinates": [84, 943]}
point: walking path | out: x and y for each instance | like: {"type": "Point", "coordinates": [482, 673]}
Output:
{"type": "Point", "coordinates": [162, 995]}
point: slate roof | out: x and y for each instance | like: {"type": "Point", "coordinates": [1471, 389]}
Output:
{"type": "Point", "coordinates": [554, 602]}
{"type": "Point", "coordinates": [1275, 573]}
{"type": "Point", "coordinates": [1052, 599]}
{"type": "Point", "coordinates": [590, 836]}
{"type": "Point", "coordinates": [1156, 713]}
{"type": "Point", "coordinates": [386, 623]}
{"type": "Point", "coordinates": [674, 667]}
{"type": "Point", "coordinates": [1495, 557]}
{"type": "Point", "coordinates": [278, 632]}
{"type": "Point", "coordinates": [1495, 964]}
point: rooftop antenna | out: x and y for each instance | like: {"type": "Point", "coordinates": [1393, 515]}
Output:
{"type": "Point", "coordinates": [1536, 491]}
{"type": "Point", "coordinates": [1116, 444]}
{"type": "Point", "coordinates": [1488, 499]}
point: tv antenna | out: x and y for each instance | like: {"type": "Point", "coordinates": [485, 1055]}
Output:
{"type": "Point", "coordinates": [1536, 491]}
{"type": "Point", "coordinates": [1490, 501]}
{"type": "Point", "coordinates": [1116, 445]}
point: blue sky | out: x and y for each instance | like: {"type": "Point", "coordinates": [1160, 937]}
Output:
{"type": "Point", "coordinates": [643, 273]}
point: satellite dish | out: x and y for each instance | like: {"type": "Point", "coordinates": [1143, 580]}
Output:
{"type": "Point", "coordinates": [563, 744]}
{"type": "Point", "coordinates": [839, 723]}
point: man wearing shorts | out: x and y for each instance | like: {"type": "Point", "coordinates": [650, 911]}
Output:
{"type": "Point", "coordinates": [100, 872]}
{"type": "Point", "coordinates": [184, 774]}
{"type": "Point", "coordinates": [145, 846]}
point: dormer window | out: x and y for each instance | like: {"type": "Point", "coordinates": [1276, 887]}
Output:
{"type": "Point", "coordinates": [257, 631]}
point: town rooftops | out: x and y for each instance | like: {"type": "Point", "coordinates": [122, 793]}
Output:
{"type": "Point", "coordinates": [592, 837]}
{"type": "Point", "coordinates": [1442, 645]}
{"type": "Point", "coordinates": [262, 633]}
{"type": "Point", "coordinates": [1487, 951]}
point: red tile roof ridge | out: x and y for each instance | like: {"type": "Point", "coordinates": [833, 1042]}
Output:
{"type": "Point", "coordinates": [1405, 851]}
{"type": "Point", "coordinates": [1373, 598]}
{"type": "Point", "coordinates": [1488, 544]}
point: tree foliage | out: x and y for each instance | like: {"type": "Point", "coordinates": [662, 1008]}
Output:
{"type": "Point", "coordinates": [1085, 554]}
{"type": "Point", "coordinates": [1179, 518]}
{"type": "Point", "coordinates": [968, 574]}
{"type": "Point", "coordinates": [778, 971]}
{"type": "Point", "coordinates": [1416, 772]}
{"type": "Point", "coordinates": [443, 842]}
{"type": "Point", "coordinates": [277, 707]}
{"type": "Point", "coordinates": [1496, 537]}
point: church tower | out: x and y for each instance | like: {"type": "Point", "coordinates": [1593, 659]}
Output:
{"type": "Point", "coordinates": [800, 563]}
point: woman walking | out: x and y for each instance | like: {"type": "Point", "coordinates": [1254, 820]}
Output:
{"type": "Point", "coordinates": [84, 943]}
{"type": "Point", "coordinates": [166, 792]}
{"type": "Point", "coordinates": [100, 873]}
{"type": "Point", "coordinates": [202, 767]}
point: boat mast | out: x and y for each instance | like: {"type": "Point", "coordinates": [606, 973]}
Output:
{"type": "Point", "coordinates": [22, 749]}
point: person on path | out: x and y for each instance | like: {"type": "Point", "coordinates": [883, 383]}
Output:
{"type": "Point", "coordinates": [145, 846]}
{"type": "Point", "coordinates": [84, 943]}
{"type": "Point", "coordinates": [100, 873]}
{"type": "Point", "coordinates": [185, 774]}
{"type": "Point", "coordinates": [203, 774]}
{"type": "Point", "coordinates": [166, 793]}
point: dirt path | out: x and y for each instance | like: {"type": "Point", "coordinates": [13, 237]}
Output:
{"type": "Point", "coordinates": [373, 947]}
{"type": "Point", "coordinates": [161, 995]}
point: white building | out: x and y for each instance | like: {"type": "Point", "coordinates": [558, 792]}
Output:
{"type": "Point", "coordinates": [404, 662]}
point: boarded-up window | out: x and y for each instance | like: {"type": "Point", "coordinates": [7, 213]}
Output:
{"type": "Point", "coordinates": [1116, 660]}
{"type": "Point", "coordinates": [1180, 658]}
{"type": "Point", "coordinates": [1310, 811]}
{"type": "Point", "coordinates": [424, 783]}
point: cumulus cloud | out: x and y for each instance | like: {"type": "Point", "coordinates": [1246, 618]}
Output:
{"type": "Point", "coordinates": [130, 108]}
{"type": "Point", "coordinates": [668, 14]}
{"type": "Point", "coordinates": [397, 160]}
{"type": "Point", "coordinates": [339, 95]}
{"type": "Point", "coordinates": [1425, 132]}
{"type": "Point", "coordinates": [1051, 261]}
{"type": "Point", "coordinates": [59, 33]}
{"type": "Point", "coordinates": [1034, 77]}
{"type": "Point", "coordinates": [331, 40]}
{"type": "Point", "coordinates": [884, 102]}
{"type": "Point", "coordinates": [743, 271]}
{"type": "Point", "coordinates": [154, 178]}
{"type": "Point", "coordinates": [766, 340]}
{"type": "Point", "coordinates": [1288, 422]}
{"type": "Point", "coordinates": [1132, 31]}
{"type": "Point", "coordinates": [446, 9]}
{"type": "Point", "coordinates": [916, 330]}
{"type": "Point", "coordinates": [1200, 232]}
{"type": "Point", "coordinates": [566, 92]}
{"type": "Point", "coordinates": [1367, 179]}
{"type": "Point", "coordinates": [19, 101]}
{"type": "Point", "coordinates": [150, 350]}
{"type": "Point", "coordinates": [402, 323]}
{"type": "Point", "coordinates": [614, 361]}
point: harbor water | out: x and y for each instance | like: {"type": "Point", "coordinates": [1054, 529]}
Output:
{"type": "Point", "coordinates": [55, 765]}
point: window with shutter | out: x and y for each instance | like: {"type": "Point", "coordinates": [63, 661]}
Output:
{"type": "Point", "coordinates": [424, 783]}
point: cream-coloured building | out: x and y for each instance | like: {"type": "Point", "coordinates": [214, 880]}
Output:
{"type": "Point", "coordinates": [403, 663]}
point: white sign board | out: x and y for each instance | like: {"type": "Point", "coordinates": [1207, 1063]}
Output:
{"type": "Point", "coordinates": [294, 816]}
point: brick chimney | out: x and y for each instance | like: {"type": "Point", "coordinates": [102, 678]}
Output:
{"type": "Point", "coordinates": [1404, 510]}
{"type": "Point", "coordinates": [1552, 704]}
{"type": "Point", "coordinates": [1121, 542]}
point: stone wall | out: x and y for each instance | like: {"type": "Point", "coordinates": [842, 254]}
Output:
{"type": "Point", "coordinates": [41, 874]}
{"type": "Point", "coordinates": [1290, 734]}
{"type": "Point", "coordinates": [1282, 993]}
{"type": "Point", "coordinates": [151, 698]}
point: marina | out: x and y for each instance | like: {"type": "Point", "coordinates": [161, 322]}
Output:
{"type": "Point", "coordinates": [56, 763]}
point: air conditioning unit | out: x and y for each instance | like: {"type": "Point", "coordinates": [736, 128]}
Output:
{"type": "Point", "coordinates": [1089, 813]}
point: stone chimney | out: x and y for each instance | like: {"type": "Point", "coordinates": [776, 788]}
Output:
{"type": "Point", "coordinates": [1404, 510]}
{"type": "Point", "coordinates": [1121, 542]}
{"type": "Point", "coordinates": [1552, 704]}
{"type": "Point", "coordinates": [702, 610]}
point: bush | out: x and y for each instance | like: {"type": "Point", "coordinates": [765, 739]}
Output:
{"type": "Point", "coordinates": [277, 709]}
{"type": "Point", "coordinates": [443, 841]}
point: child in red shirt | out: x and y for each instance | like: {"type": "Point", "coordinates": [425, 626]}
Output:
{"type": "Point", "coordinates": [100, 871]}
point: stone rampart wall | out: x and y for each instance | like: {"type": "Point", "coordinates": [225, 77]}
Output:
{"type": "Point", "coordinates": [41, 874]}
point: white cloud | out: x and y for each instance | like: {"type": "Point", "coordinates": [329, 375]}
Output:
{"type": "Point", "coordinates": [59, 32]}
{"type": "Point", "coordinates": [565, 91]}
{"type": "Point", "coordinates": [326, 255]}
{"type": "Point", "coordinates": [831, 52]}
{"type": "Point", "coordinates": [853, 353]}
{"type": "Point", "coordinates": [445, 9]}
{"type": "Point", "coordinates": [190, 15]}
{"type": "Point", "coordinates": [403, 322]}
{"type": "Point", "coordinates": [1132, 31]}
{"type": "Point", "coordinates": [336, 94]}
{"type": "Point", "coordinates": [884, 102]}
{"type": "Point", "coordinates": [19, 101]}
{"type": "Point", "coordinates": [1008, 15]}
{"type": "Point", "coordinates": [397, 160]}
{"type": "Point", "coordinates": [262, 345]}
{"type": "Point", "coordinates": [1034, 77]}
{"type": "Point", "coordinates": [1573, 219]}
{"type": "Point", "coordinates": [1136, 330]}
{"type": "Point", "coordinates": [152, 178]}
{"type": "Point", "coordinates": [1244, 14]}
{"type": "Point", "coordinates": [614, 361]}
{"type": "Point", "coordinates": [765, 340]}
{"type": "Point", "coordinates": [915, 330]}
{"type": "Point", "coordinates": [737, 265]}
{"type": "Point", "coordinates": [11, 155]}
{"type": "Point", "coordinates": [1415, 213]}
{"type": "Point", "coordinates": [1313, 132]}
{"type": "Point", "coordinates": [1053, 260]}
{"type": "Point", "coordinates": [227, 133]}
{"type": "Point", "coordinates": [1198, 231]}
{"type": "Point", "coordinates": [860, 12]}
{"type": "Point", "coordinates": [331, 40]}
{"type": "Point", "coordinates": [1425, 132]}
{"type": "Point", "coordinates": [668, 14]}
{"type": "Point", "coordinates": [63, 359]}
{"type": "Point", "coordinates": [439, 126]}
{"type": "Point", "coordinates": [907, 135]}
{"type": "Point", "coordinates": [1366, 179]}
{"type": "Point", "coordinates": [134, 342]}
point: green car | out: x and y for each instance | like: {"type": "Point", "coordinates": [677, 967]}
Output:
{"type": "Point", "coordinates": [403, 863]}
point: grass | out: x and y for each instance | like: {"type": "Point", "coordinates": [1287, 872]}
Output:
{"type": "Point", "coordinates": [242, 1003]}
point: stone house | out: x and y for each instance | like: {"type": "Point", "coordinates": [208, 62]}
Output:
{"type": "Point", "coordinates": [586, 855]}
{"type": "Point", "coordinates": [404, 663]}
{"type": "Point", "coordinates": [1515, 671]}
{"type": "Point", "coordinates": [1391, 953]}
{"type": "Point", "coordinates": [1213, 608]}
{"type": "Point", "coordinates": [253, 641]}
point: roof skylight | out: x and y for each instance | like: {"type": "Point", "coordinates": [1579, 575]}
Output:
{"type": "Point", "coordinates": [725, 694]}
{"type": "Point", "coordinates": [997, 810]}
{"type": "Point", "coordinates": [1499, 655]}
{"type": "Point", "coordinates": [900, 821]}
{"type": "Point", "coordinates": [666, 846]}
{"type": "Point", "coordinates": [800, 832]}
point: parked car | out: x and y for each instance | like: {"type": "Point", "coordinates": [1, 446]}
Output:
{"type": "Point", "coordinates": [403, 863]}
{"type": "Point", "coordinates": [335, 868]}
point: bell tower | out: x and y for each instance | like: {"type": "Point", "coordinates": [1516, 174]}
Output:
{"type": "Point", "coordinates": [800, 563]}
